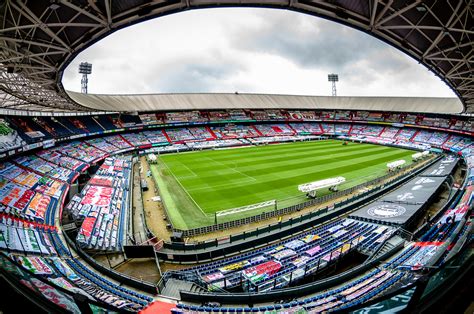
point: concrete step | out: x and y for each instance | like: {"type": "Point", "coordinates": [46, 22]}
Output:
{"type": "Point", "coordinates": [173, 286]}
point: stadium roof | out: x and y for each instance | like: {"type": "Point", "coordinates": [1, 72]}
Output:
{"type": "Point", "coordinates": [154, 102]}
{"type": "Point", "coordinates": [38, 39]}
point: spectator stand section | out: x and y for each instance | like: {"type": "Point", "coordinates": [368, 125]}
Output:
{"type": "Point", "coordinates": [102, 206]}
{"type": "Point", "coordinates": [289, 261]}
{"type": "Point", "coordinates": [30, 195]}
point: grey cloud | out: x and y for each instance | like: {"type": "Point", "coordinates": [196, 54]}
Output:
{"type": "Point", "coordinates": [193, 76]}
{"type": "Point", "coordinates": [316, 43]}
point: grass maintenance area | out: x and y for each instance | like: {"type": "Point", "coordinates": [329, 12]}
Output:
{"type": "Point", "coordinates": [195, 185]}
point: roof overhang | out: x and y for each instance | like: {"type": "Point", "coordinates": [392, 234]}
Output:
{"type": "Point", "coordinates": [167, 102]}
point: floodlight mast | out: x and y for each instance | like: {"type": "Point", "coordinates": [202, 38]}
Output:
{"type": "Point", "coordinates": [84, 69]}
{"type": "Point", "coordinates": [333, 78]}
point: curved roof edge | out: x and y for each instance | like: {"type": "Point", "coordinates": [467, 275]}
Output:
{"type": "Point", "coordinates": [202, 101]}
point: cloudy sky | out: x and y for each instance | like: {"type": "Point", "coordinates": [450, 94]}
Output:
{"type": "Point", "coordinates": [250, 51]}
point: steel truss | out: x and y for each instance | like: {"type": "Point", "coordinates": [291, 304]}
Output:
{"type": "Point", "coordinates": [39, 38]}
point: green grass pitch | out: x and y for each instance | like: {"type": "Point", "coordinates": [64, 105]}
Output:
{"type": "Point", "coordinates": [195, 185]}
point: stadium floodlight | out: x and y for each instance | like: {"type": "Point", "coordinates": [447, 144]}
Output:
{"type": "Point", "coordinates": [395, 164]}
{"type": "Point", "coordinates": [333, 78]}
{"type": "Point", "coordinates": [84, 69]}
{"type": "Point", "coordinates": [311, 188]}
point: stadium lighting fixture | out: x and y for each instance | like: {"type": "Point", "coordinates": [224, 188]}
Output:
{"type": "Point", "coordinates": [84, 69]}
{"type": "Point", "coordinates": [333, 78]}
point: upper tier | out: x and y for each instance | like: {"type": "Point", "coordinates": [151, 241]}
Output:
{"type": "Point", "coordinates": [23, 133]}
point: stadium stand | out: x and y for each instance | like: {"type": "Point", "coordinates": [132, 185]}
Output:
{"type": "Point", "coordinates": [33, 188]}
{"type": "Point", "coordinates": [102, 206]}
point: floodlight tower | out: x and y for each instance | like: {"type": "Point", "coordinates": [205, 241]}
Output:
{"type": "Point", "coordinates": [333, 78]}
{"type": "Point", "coordinates": [84, 69]}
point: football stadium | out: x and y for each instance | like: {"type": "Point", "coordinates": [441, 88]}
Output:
{"type": "Point", "coordinates": [234, 202]}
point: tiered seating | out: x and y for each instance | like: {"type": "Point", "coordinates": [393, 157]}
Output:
{"type": "Point", "coordinates": [276, 115]}
{"type": "Point", "coordinates": [375, 116]}
{"type": "Point", "coordinates": [91, 124]}
{"type": "Point", "coordinates": [361, 115]}
{"type": "Point", "coordinates": [46, 168]}
{"type": "Point", "coordinates": [436, 122]}
{"type": "Point", "coordinates": [63, 161]}
{"type": "Point", "coordinates": [106, 122]}
{"type": "Point", "coordinates": [327, 115]}
{"type": "Point", "coordinates": [275, 129]}
{"type": "Point", "coordinates": [213, 144]}
{"type": "Point", "coordinates": [49, 128]}
{"type": "Point", "coordinates": [234, 131]}
{"type": "Point", "coordinates": [81, 151]}
{"type": "Point", "coordinates": [73, 124]}
{"type": "Point", "coordinates": [126, 120]}
{"type": "Point", "coordinates": [59, 129]}
{"type": "Point", "coordinates": [372, 130]}
{"type": "Point", "coordinates": [452, 140]}
{"type": "Point", "coordinates": [73, 276]}
{"type": "Point", "coordinates": [18, 235]}
{"type": "Point", "coordinates": [27, 128]}
{"type": "Point", "coordinates": [118, 141]}
{"type": "Point", "coordinates": [238, 115]}
{"type": "Point", "coordinates": [328, 128]}
{"type": "Point", "coordinates": [259, 115]}
{"type": "Point", "coordinates": [156, 137]}
{"type": "Point", "coordinates": [457, 124]}
{"type": "Point", "coordinates": [438, 138]}
{"type": "Point", "coordinates": [150, 119]}
{"type": "Point", "coordinates": [410, 119]}
{"type": "Point", "coordinates": [103, 204]}
{"type": "Point", "coordinates": [200, 133]}
{"type": "Point", "coordinates": [342, 128]}
{"type": "Point", "coordinates": [405, 134]}
{"type": "Point", "coordinates": [422, 136]}
{"type": "Point", "coordinates": [219, 115]}
{"type": "Point", "coordinates": [103, 145]}
{"type": "Point", "coordinates": [35, 200]}
{"type": "Point", "coordinates": [137, 139]}
{"type": "Point", "coordinates": [29, 195]}
{"type": "Point", "coordinates": [305, 128]}
{"type": "Point", "coordinates": [180, 135]}
{"type": "Point", "coordinates": [185, 116]}
{"type": "Point", "coordinates": [462, 144]}
{"type": "Point", "coordinates": [366, 130]}
{"type": "Point", "coordinates": [9, 138]}
{"type": "Point", "coordinates": [392, 117]}
{"type": "Point", "coordinates": [167, 149]}
{"type": "Point", "coordinates": [292, 259]}
{"type": "Point", "coordinates": [103, 289]}
{"type": "Point", "coordinates": [302, 115]}
{"type": "Point", "coordinates": [349, 294]}
{"type": "Point", "coordinates": [342, 115]}
{"type": "Point", "coordinates": [389, 132]}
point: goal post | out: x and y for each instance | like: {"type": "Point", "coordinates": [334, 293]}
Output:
{"type": "Point", "coordinates": [242, 209]}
